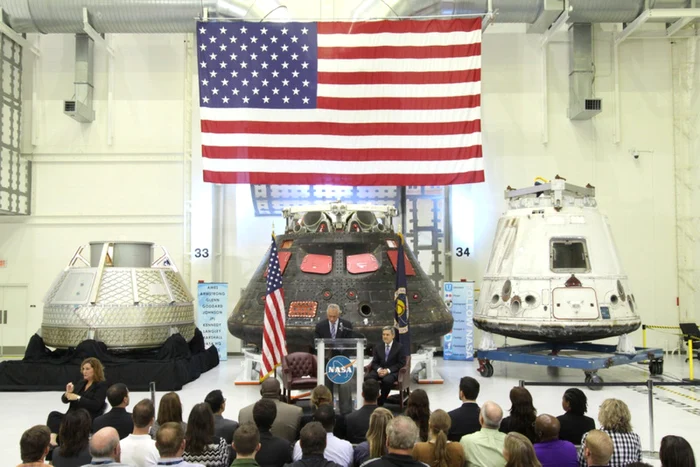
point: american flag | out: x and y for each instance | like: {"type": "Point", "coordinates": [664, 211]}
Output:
{"type": "Point", "coordinates": [274, 337]}
{"type": "Point", "coordinates": [343, 103]}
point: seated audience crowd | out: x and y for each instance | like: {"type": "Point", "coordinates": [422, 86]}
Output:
{"type": "Point", "coordinates": [273, 433]}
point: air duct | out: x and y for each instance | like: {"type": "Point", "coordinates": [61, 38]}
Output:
{"type": "Point", "coordinates": [80, 107]}
{"type": "Point", "coordinates": [582, 104]}
{"type": "Point", "coordinates": [132, 16]}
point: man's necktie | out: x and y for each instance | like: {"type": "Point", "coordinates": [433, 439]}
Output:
{"type": "Point", "coordinates": [332, 331]}
{"type": "Point", "coordinates": [386, 352]}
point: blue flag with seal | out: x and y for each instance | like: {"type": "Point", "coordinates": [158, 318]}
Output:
{"type": "Point", "coordinates": [401, 303]}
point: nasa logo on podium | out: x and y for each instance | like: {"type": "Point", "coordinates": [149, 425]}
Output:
{"type": "Point", "coordinates": [340, 369]}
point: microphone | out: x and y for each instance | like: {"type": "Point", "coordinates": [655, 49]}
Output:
{"type": "Point", "coordinates": [340, 326]}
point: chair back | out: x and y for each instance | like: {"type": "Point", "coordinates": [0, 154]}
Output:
{"type": "Point", "coordinates": [299, 364]}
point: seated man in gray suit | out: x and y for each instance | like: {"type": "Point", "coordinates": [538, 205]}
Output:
{"type": "Point", "coordinates": [223, 427]}
{"type": "Point", "coordinates": [286, 424]}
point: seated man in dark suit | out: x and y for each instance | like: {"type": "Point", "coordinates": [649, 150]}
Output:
{"type": "Point", "coordinates": [274, 451]}
{"type": "Point", "coordinates": [387, 360]}
{"type": "Point", "coordinates": [356, 423]}
{"type": "Point", "coordinates": [223, 427]}
{"type": "Point", "coordinates": [465, 419]}
{"type": "Point", "coordinates": [333, 327]}
{"type": "Point", "coordinates": [118, 418]}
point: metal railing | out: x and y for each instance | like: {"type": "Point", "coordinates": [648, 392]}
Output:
{"type": "Point", "coordinates": [648, 383]}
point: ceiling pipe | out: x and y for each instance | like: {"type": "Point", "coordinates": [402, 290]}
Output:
{"type": "Point", "coordinates": [130, 16]}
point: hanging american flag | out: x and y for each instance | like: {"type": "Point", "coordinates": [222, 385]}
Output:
{"type": "Point", "coordinates": [372, 103]}
{"type": "Point", "coordinates": [274, 338]}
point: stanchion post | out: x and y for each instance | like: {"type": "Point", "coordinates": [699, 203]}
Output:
{"type": "Point", "coordinates": [650, 386]}
{"type": "Point", "coordinates": [521, 383]}
{"type": "Point", "coordinates": [644, 336]}
{"type": "Point", "coordinates": [690, 358]}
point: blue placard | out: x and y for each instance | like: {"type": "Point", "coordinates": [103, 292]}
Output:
{"type": "Point", "coordinates": [340, 369]}
{"type": "Point", "coordinates": [459, 344]}
{"type": "Point", "coordinates": [212, 306]}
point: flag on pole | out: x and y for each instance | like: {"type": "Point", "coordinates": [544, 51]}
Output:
{"type": "Point", "coordinates": [344, 103]}
{"type": "Point", "coordinates": [401, 303]}
{"type": "Point", "coordinates": [274, 337]}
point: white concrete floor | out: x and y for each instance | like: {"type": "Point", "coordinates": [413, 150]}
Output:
{"type": "Point", "coordinates": [676, 410]}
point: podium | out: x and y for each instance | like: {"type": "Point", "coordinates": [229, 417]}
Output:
{"type": "Point", "coordinates": [353, 349]}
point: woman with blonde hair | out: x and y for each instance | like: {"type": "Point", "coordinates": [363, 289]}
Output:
{"type": "Point", "coordinates": [375, 446]}
{"type": "Point", "coordinates": [519, 452]}
{"type": "Point", "coordinates": [438, 451]}
{"type": "Point", "coordinates": [616, 420]}
{"type": "Point", "coordinates": [321, 395]}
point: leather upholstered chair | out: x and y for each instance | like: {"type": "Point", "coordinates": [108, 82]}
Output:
{"type": "Point", "coordinates": [298, 373]}
{"type": "Point", "coordinates": [402, 384]}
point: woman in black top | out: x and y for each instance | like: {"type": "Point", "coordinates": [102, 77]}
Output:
{"type": "Point", "coordinates": [75, 438]}
{"type": "Point", "coordinates": [88, 394]}
{"type": "Point", "coordinates": [522, 415]}
{"type": "Point", "coordinates": [574, 424]}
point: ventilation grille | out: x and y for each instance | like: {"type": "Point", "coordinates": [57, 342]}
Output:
{"type": "Point", "coordinates": [593, 104]}
{"type": "Point", "coordinates": [69, 106]}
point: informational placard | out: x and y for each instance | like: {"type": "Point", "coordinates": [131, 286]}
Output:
{"type": "Point", "coordinates": [212, 307]}
{"type": "Point", "coordinates": [459, 344]}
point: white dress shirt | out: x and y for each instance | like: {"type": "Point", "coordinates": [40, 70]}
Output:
{"type": "Point", "coordinates": [337, 450]}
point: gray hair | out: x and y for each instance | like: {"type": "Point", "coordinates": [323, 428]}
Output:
{"type": "Point", "coordinates": [492, 414]}
{"type": "Point", "coordinates": [389, 328]}
{"type": "Point", "coordinates": [105, 449]}
{"type": "Point", "coordinates": [333, 306]}
{"type": "Point", "coordinates": [402, 433]}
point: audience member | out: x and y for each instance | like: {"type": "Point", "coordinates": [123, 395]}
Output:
{"type": "Point", "coordinates": [552, 451]}
{"type": "Point", "coordinates": [118, 418]}
{"type": "Point", "coordinates": [105, 449]}
{"type": "Point", "coordinates": [74, 434]}
{"type": "Point", "coordinates": [288, 418]}
{"type": "Point", "coordinates": [201, 445]}
{"type": "Point", "coordinates": [615, 420]}
{"type": "Point", "coordinates": [596, 449]}
{"type": "Point", "coordinates": [439, 451]}
{"type": "Point", "coordinates": [246, 442]}
{"type": "Point", "coordinates": [170, 442]}
{"type": "Point", "coordinates": [574, 423]}
{"type": "Point", "coordinates": [274, 451]}
{"type": "Point", "coordinates": [139, 449]}
{"type": "Point", "coordinates": [337, 450]}
{"type": "Point", "coordinates": [639, 464]}
{"type": "Point", "coordinates": [169, 410]}
{"type": "Point", "coordinates": [675, 451]}
{"type": "Point", "coordinates": [522, 414]}
{"type": "Point", "coordinates": [465, 419]}
{"type": "Point", "coordinates": [484, 448]}
{"type": "Point", "coordinates": [402, 435]}
{"type": "Point", "coordinates": [387, 360]}
{"type": "Point", "coordinates": [322, 395]}
{"type": "Point", "coordinates": [223, 427]}
{"type": "Point", "coordinates": [518, 451]}
{"type": "Point", "coordinates": [375, 444]}
{"type": "Point", "coordinates": [357, 422]}
{"type": "Point", "coordinates": [418, 410]}
{"type": "Point", "coordinates": [313, 444]}
{"type": "Point", "coordinates": [34, 445]}
{"type": "Point", "coordinates": [89, 394]}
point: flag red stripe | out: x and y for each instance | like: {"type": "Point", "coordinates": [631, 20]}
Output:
{"type": "Point", "coordinates": [435, 51]}
{"type": "Point", "coordinates": [397, 27]}
{"type": "Point", "coordinates": [341, 129]}
{"type": "Point", "coordinates": [274, 178]}
{"type": "Point", "coordinates": [398, 103]}
{"type": "Point", "coordinates": [352, 155]}
{"type": "Point", "coordinates": [397, 77]}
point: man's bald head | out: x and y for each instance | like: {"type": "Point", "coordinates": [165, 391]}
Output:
{"type": "Point", "coordinates": [270, 388]}
{"type": "Point", "coordinates": [491, 415]}
{"type": "Point", "coordinates": [547, 427]}
{"type": "Point", "coordinates": [105, 443]}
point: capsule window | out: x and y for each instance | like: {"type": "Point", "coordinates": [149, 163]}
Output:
{"type": "Point", "coordinates": [569, 255]}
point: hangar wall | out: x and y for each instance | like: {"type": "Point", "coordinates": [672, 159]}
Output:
{"type": "Point", "coordinates": [140, 187]}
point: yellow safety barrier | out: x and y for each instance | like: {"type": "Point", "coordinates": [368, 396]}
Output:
{"type": "Point", "coordinates": [690, 344]}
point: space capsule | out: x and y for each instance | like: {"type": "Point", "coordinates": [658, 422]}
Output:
{"type": "Point", "coordinates": [344, 254]}
{"type": "Point", "coordinates": [554, 274]}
